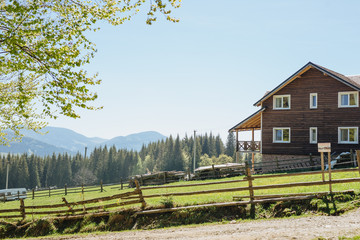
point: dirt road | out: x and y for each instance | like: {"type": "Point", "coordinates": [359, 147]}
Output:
{"type": "Point", "coordinates": [329, 227]}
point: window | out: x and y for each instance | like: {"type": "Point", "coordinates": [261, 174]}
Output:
{"type": "Point", "coordinates": [348, 99]}
{"type": "Point", "coordinates": [281, 135]}
{"type": "Point", "coordinates": [313, 135]}
{"type": "Point", "coordinates": [348, 135]}
{"type": "Point", "coordinates": [313, 100]}
{"type": "Point", "coordinates": [281, 101]}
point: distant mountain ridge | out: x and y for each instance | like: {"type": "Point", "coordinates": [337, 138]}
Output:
{"type": "Point", "coordinates": [61, 140]}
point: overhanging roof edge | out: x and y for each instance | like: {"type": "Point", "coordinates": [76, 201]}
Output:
{"type": "Point", "coordinates": [248, 118]}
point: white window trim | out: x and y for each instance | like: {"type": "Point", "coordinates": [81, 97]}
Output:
{"type": "Point", "coordinates": [310, 140]}
{"type": "Point", "coordinates": [348, 93]}
{"type": "Point", "coordinates": [281, 128]}
{"type": "Point", "coordinates": [311, 102]}
{"type": "Point", "coordinates": [348, 142]}
{"type": "Point", "coordinates": [281, 96]}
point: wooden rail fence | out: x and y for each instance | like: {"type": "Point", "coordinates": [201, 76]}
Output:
{"type": "Point", "coordinates": [76, 209]}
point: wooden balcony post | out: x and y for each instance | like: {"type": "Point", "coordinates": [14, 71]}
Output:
{"type": "Point", "coordinates": [237, 147]}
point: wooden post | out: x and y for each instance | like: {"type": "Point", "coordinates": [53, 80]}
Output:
{"type": "Point", "coordinates": [141, 180]}
{"type": "Point", "coordinates": [49, 192]}
{"type": "Point", "coordinates": [121, 182]}
{"type": "Point", "coordinates": [165, 173]}
{"type": "Point", "coordinates": [65, 189]}
{"type": "Point", "coordinates": [237, 147]}
{"type": "Point", "coordinates": [322, 166]}
{"type": "Point", "coordinates": [101, 186]}
{"type": "Point", "coordinates": [329, 162]}
{"type": "Point", "coordinates": [68, 205]}
{"type": "Point", "coordinates": [251, 190]}
{"type": "Point", "coordinates": [33, 193]}
{"type": "Point", "coordinates": [82, 189]}
{"type": "Point", "coordinates": [352, 157]}
{"type": "Point", "coordinates": [214, 173]}
{"type": "Point", "coordinates": [358, 159]}
{"type": "Point", "coordinates": [311, 162]}
{"type": "Point", "coordinates": [22, 208]}
{"type": "Point", "coordinates": [143, 203]}
{"type": "Point", "coordinates": [18, 195]}
{"type": "Point", "coordinates": [253, 149]}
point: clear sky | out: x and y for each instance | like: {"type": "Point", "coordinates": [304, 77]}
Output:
{"type": "Point", "coordinates": [206, 72]}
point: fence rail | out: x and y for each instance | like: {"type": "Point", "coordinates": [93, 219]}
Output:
{"type": "Point", "coordinates": [76, 208]}
{"type": "Point", "coordinates": [137, 196]}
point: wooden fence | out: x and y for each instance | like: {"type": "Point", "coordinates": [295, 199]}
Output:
{"type": "Point", "coordinates": [138, 196]}
{"type": "Point", "coordinates": [253, 199]}
{"type": "Point", "coordinates": [76, 209]}
{"type": "Point", "coordinates": [48, 192]}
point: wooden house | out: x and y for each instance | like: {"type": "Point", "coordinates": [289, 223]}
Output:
{"type": "Point", "coordinates": [313, 105]}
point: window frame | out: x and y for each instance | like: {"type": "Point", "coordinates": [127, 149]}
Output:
{"type": "Point", "coordinates": [311, 100]}
{"type": "Point", "coordinates": [282, 97]}
{"type": "Point", "coordinates": [348, 142]}
{"type": "Point", "coordinates": [281, 128]}
{"type": "Point", "coordinates": [310, 135]}
{"type": "Point", "coordinates": [348, 93]}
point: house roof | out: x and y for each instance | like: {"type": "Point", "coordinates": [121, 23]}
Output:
{"type": "Point", "coordinates": [351, 81]}
{"type": "Point", "coordinates": [251, 122]}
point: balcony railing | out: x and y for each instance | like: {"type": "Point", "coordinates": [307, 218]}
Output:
{"type": "Point", "coordinates": [248, 146]}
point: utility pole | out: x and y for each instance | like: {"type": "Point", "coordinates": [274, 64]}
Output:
{"type": "Point", "coordinates": [7, 175]}
{"type": "Point", "coordinates": [194, 149]}
{"type": "Point", "coordinates": [85, 153]}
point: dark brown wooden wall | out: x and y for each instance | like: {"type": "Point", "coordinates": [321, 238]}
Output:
{"type": "Point", "coordinates": [327, 117]}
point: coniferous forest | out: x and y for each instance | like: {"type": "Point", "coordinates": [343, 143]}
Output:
{"type": "Point", "coordinates": [110, 164]}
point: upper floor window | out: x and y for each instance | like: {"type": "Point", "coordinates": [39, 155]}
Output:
{"type": "Point", "coordinates": [313, 135]}
{"type": "Point", "coordinates": [281, 135]}
{"type": "Point", "coordinates": [348, 135]}
{"type": "Point", "coordinates": [348, 99]}
{"type": "Point", "coordinates": [281, 101]}
{"type": "Point", "coordinates": [313, 100]}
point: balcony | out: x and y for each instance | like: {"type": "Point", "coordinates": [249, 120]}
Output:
{"type": "Point", "coordinates": [248, 146]}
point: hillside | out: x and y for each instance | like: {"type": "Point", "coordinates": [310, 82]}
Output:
{"type": "Point", "coordinates": [60, 140]}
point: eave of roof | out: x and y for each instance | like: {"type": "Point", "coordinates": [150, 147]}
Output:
{"type": "Point", "coordinates": [247, 119]}
{"type": "Point", "coordinates": [347, 81]}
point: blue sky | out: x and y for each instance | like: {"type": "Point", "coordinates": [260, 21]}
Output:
{"type": "Point", "coordinates": [206, 72]}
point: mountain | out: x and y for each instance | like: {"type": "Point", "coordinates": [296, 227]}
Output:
{"type": "Point", "coordinates": [134, 141]}
{"type": "Point", "coordinates": [33, 146]}
{"type": "Point", "coordinates": [64, 138]}
{"type": "Point", "coordinates": [60, 140]}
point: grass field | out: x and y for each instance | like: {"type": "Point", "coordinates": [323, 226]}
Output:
{"type": "Point", "coordinates": [204, 198]}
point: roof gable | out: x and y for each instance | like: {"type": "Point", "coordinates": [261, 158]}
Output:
{"type": "Point", "coordinates": [351, 81]}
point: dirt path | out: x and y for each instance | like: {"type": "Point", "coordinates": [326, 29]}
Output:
{"type": "Point", "coordinates": [329, 227]}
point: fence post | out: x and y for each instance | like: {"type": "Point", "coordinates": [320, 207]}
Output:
{"type": "Point", "coordinates": [329, 167]}
{"type": "Point", "coordinates": [65, 189]}
{"type": "Point", "coordinates": [251, 190]}
{"type": "Point", "coordinates": [33, 193]}
{"type": "Point", "coordinates": [143, 203]}
{"type": "Point", "coordinates": [358, 158]}
{"type": "Point", "coordinates": [82, 189]}
{"type": "Point", "coordinates": [49, 192]}
{"type": "Point", "coordinates": [322, 166]}
{"type": "Point", "coordinates": [121, 181]}
{"type": "Point", "coordinates": [22, 208]}
{"type": "Point", "coordinates": [18, 195]}
{"type": "Point", "coordinates": [213, 169]}
{"type": "Point", "coordinates": [101, 186]}
{"type": "Point", "coordinates": [311, 162]}
{"type": "Point", "coordinates": [141, 180]}
{"type": "Point", "coordinates": [165, 173]}
{"type": "Point", "coordinates": [352, 159]}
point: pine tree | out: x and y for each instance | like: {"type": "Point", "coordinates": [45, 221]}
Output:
{"type": "Point", "coordinates": [230, 145]}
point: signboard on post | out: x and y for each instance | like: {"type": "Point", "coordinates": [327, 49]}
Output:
{"type": "Point", "coordinates": [324, 147]}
